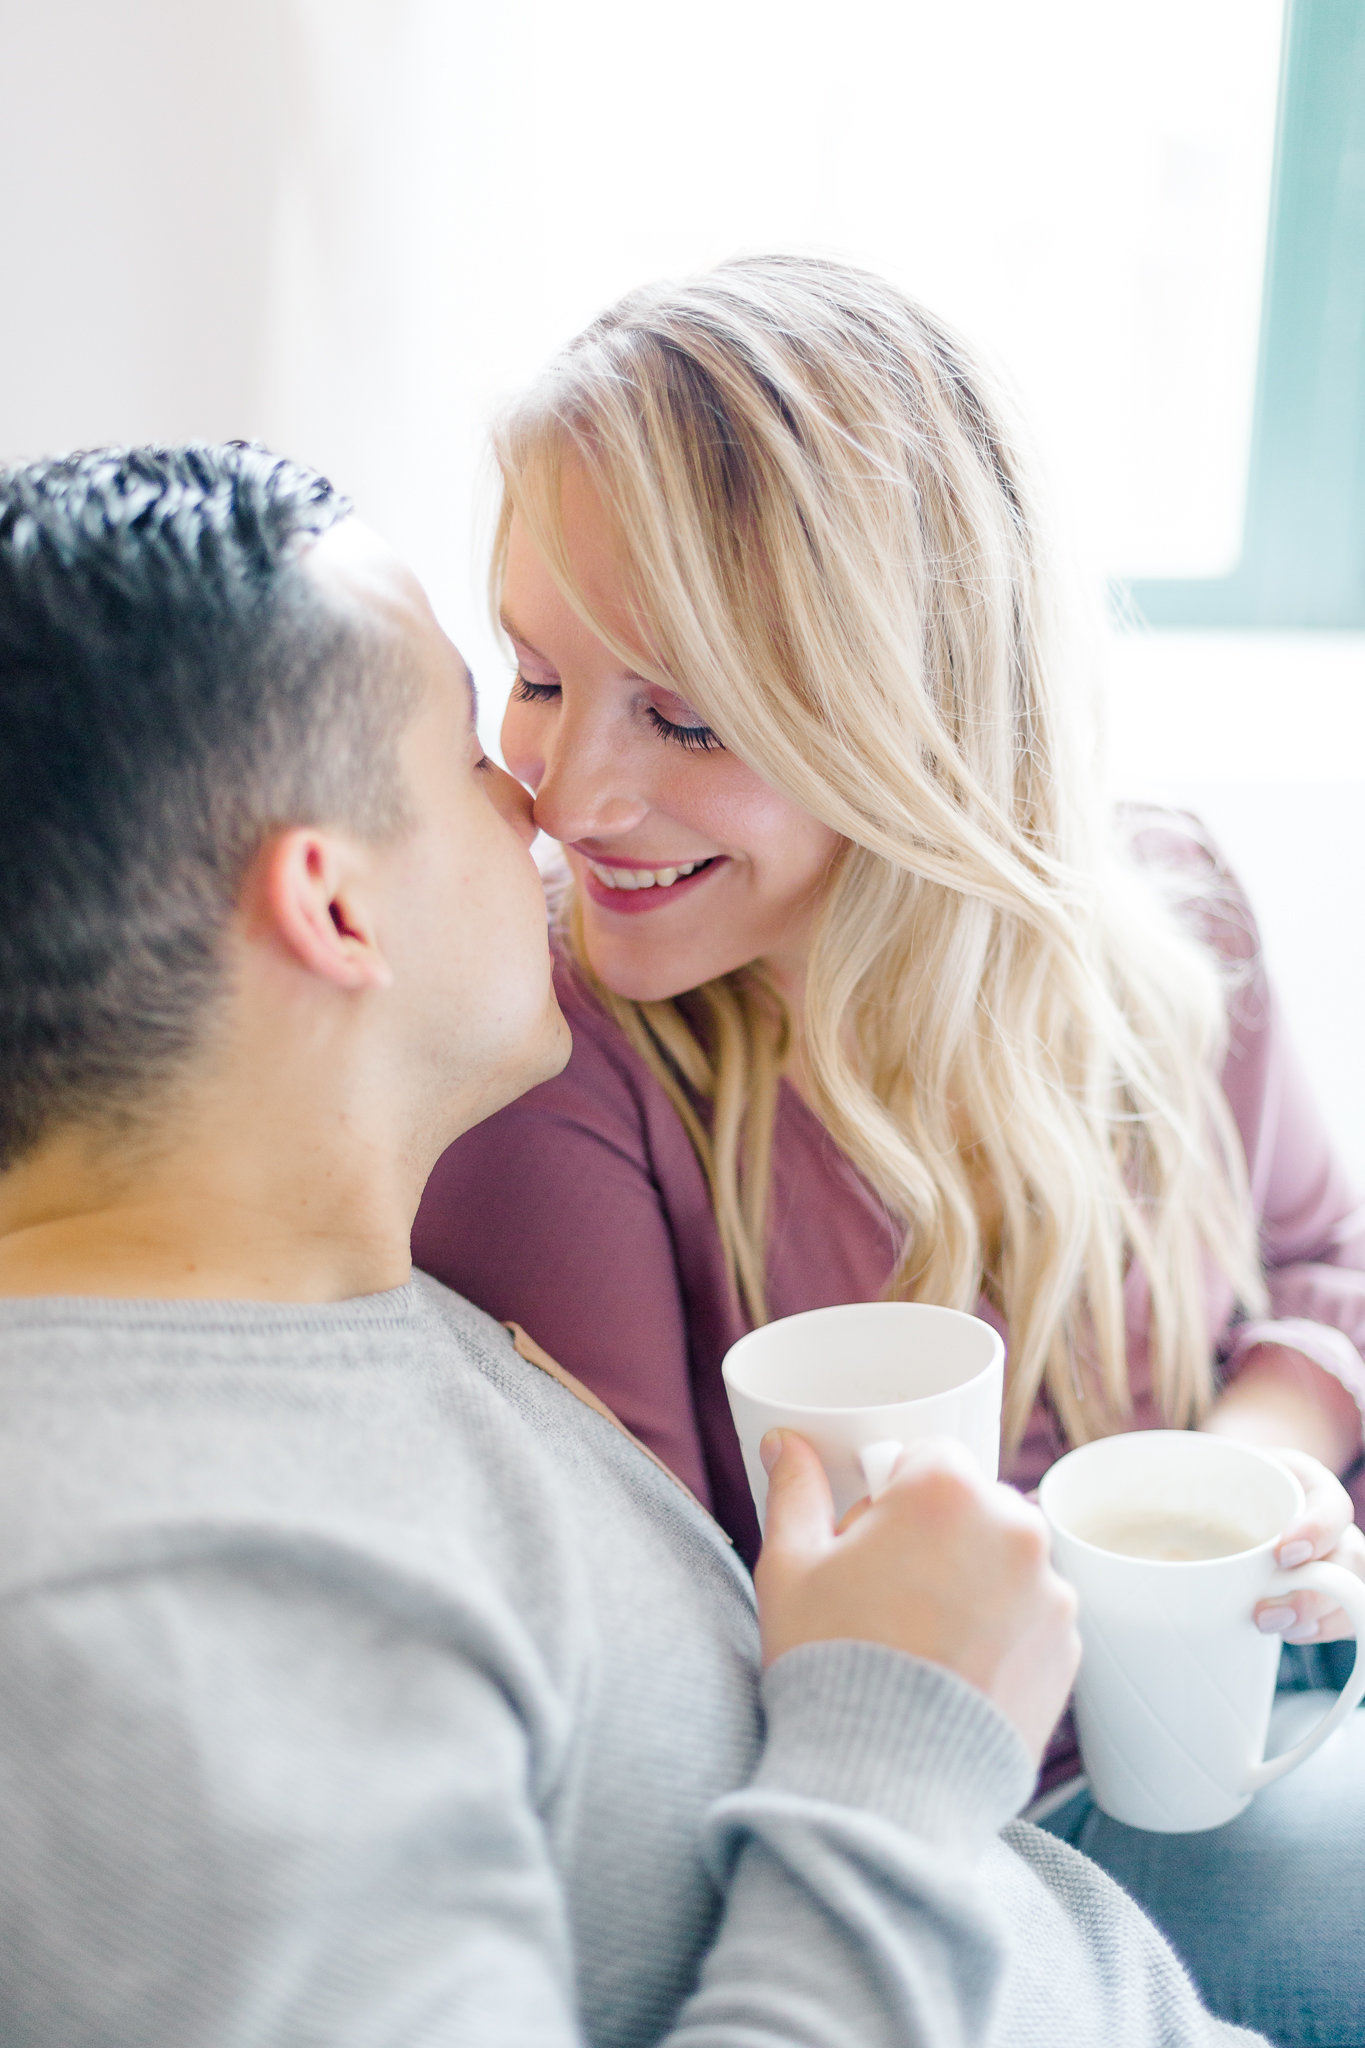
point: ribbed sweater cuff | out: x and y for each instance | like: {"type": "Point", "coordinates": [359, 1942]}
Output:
{"type": "Point", "coordinates": [865, 1726]}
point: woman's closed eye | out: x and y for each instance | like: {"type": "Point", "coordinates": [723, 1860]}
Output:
{"type": "Point", "coordinates": [527, 692]}
{"type": "Point", "coordinates": [684, 729]}
{"type": "Point", "coordinates": [673, 718]}
{"type": "Point", "coordinates": [682, 732]}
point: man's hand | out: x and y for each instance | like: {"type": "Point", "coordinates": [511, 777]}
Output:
{"type": "Point", "coordinates": [942, 1565]}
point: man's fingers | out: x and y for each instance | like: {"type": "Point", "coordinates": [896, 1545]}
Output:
{"type": "Point", "coordinates": [800, 1512]}
{"type": "Point", "coordinates": [923, 1458]}
{"type": "Point", "coordinates": [854, 1516]}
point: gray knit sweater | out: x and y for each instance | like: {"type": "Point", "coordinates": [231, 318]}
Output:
{"type": "Point", "coordinates": [359, 1685]}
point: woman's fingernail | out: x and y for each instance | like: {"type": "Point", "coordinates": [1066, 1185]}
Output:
{"type": "Point", "coordinates": [1273, 1621]}
{"type": "Point", "coordinates": [1306, 1632]}
{"type": "Point", "coordinates": [1294, 1553]}
{"type": "Point", "coordinates": [770, 1450]}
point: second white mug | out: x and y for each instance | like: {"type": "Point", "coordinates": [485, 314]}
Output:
{"type": "Point", "coordinates": [1176, 1682]}
{"type": "Point", "coordinates": [862, 1380]}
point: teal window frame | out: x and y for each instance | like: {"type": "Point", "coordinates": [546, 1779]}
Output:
{"type": "Point", "coordinates": [1302, 561]}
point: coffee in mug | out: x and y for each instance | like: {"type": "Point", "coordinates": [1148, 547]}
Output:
{"type": "Point", "coordinates": [1168, 1538]}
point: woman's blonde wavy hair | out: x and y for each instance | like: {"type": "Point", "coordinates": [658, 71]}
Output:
{"type": "Point", "coordinates": [828, 528]}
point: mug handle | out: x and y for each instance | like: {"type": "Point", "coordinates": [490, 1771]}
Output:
{"type": "Point", "coordinates": [878, 1461]}
{"type": "Point", "coordinates": [1349, 1592]}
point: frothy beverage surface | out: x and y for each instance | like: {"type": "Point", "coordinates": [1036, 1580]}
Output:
{"type": "Point", "coordinates": [1163, 1536]}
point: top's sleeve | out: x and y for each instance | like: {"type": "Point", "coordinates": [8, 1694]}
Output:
{"type": "Point", "coordinates": [1311, 1221]}
{"type": "Point", "coordinates": [549, 1215]}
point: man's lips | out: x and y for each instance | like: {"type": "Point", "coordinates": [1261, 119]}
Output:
{"type": "Point", "coordinates": [638, 887]}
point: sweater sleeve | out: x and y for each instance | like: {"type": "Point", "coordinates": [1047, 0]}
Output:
{"type": "Point", "coordinates": [870, 1897]}
{"type": "Point", "coordinates": [300, 1826]}
{"type": "Point", "coordinates": [549, 1215]}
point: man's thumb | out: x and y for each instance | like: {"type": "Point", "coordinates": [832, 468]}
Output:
{"type": "Point", "coordinates": [800, 1513]}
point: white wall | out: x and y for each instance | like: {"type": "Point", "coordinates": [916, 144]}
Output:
{"type": "Point", "coordinates": [352, 226]}
{"type": "Point", "coordinates": [140, 155]}
{"type": "Point", "coordinates": [1263, 736]}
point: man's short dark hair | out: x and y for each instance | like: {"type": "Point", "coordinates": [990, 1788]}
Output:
{"type": "Point", "coordinates": [172, 689]}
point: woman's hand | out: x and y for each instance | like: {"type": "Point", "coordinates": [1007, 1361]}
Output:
{"type": "Point", "coordinates": [1325, 1529]}
{"type": "Point", "coordinates": [1285, 1404]}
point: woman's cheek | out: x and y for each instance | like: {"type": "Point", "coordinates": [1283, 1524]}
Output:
{"type": "Point", "coordinates": [758, 820]}
{"type": "Point", "coordinates": [724, 800]}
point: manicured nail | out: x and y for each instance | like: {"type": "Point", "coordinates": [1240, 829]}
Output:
{"type": "Point", "coordinates": [1294, 1553]}
{"type": "Point", "coordinates": [770, 1450]}
{"type": "Point", "coordinates": [1273, 1621]}
{"type": "Point", "coordinates": [1306, 1632]}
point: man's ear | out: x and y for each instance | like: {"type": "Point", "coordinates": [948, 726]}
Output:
{"type": "Point", "coordinates": [309, 893]}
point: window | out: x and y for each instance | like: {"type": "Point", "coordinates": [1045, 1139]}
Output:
{"type": "Point", "coordinates": [1302, 558]}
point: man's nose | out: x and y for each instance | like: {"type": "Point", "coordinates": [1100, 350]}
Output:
{"type": "Point", "coordinates": [513, 802]}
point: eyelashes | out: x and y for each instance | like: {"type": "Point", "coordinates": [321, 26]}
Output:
{"type": "Point", "coordinates": [699, 739]}
{"type": "Point", "coordinates": [528, 692]}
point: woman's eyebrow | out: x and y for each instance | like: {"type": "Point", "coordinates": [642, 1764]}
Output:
{"type": "Point", "coordinates": [515, 633]}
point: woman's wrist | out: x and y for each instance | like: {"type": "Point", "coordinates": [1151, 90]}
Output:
{"type": "Point", "coordinates": [1280, 1399]}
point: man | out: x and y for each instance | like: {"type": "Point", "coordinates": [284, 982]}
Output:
{"type": "Point", "coordinates": [360, 1682]}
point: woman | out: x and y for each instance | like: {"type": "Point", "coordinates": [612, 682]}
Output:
{"type": "Point", "coordinates": [868, 994]}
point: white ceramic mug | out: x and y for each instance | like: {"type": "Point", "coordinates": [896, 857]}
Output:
{"type": "Point", "coordinates": [1176, 1681]}
{"type": "Point", "coordinates": [860, 1382]}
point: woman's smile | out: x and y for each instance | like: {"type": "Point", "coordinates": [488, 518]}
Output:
{"type": "Point", "coordinates": [629, 887]}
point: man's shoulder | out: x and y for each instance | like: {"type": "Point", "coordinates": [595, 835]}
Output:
{"type": "Point", "coordinates": [467, 1333]}
{"type": "Point", "coordinates": [154, 1356]}
{"type": "Point", "coordinates": [401, 1423]}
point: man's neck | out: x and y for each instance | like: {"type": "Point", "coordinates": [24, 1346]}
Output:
{"type": "Point", "coordinates": [211, 1219]}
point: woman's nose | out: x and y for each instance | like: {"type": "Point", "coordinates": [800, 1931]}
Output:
{"type": "Point", "coordinates": [582, 786]}
{"type": "Point", "coordinates": [574, 807]}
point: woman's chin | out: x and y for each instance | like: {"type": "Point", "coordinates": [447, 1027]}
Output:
{"type": "Point", "coordinates": [638, 986]}
{"type": "Point", "coordinates": [629, 970]}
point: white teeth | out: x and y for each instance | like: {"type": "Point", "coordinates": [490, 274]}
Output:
{"type": "Point", "coordinates": [643, 878]}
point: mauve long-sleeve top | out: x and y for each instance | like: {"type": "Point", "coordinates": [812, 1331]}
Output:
{"type": "Point", "coordinates": [582, 1213]}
